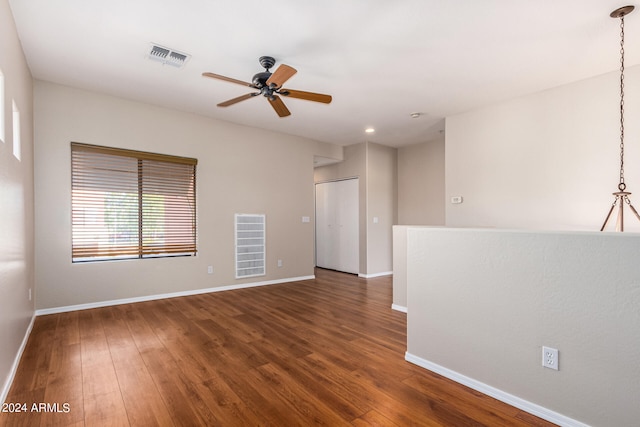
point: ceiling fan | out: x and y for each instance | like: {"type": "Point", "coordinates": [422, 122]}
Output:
{"type": "Point", "coordinates": [270, 86]}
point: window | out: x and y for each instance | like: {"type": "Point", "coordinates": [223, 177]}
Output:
{"type": "Point", "coordinates": [16, 131]}
{"type": "Point", "coordinates": [2, 133]}
{"type": "Point", "coordinates": [131, 204]}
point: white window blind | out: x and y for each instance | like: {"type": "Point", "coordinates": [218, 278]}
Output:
{"type": "Point", "coordinates": [250, 245]}
{"type": "Point", "coordinates": [131, 204]}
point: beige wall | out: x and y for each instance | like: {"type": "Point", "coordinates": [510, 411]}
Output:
{"type": "Point", "coordinates": [399, 268]}
{"type": "Point", "coordinates": [376, 166]}
{"type": "Point", "coordinates": [421, 185]}
{"type": "Point", "coordinates": [382, 202]}
{"type": "Point", "coordinates": [544, 161]}
{"type": "Point", "coordinates": [353, 164]}
{"type": "Point", "coordinates": [482, 303]}
{"type": "Point", "coordinates": [16, 201]}
{"type": "Point", "coordinates": [421, 190]}
{"type": "Point", "coordinates": [240, 170]}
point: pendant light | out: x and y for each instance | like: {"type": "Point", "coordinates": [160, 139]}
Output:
{"type": "Point", "coordinates": [621, 196]}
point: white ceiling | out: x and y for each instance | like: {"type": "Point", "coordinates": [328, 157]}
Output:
{"type": "Point", "coordinates": [380, 59]}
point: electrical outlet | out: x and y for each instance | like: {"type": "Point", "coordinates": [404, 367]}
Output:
{"type": "Point", "coordinates": [210, 269]}
{"type": "Point", "coordinates": [279, 263]}
{"type": "Point", "coordinates": [550, 358]}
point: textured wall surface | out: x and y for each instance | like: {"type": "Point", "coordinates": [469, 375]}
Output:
{"type": "Point", "coordinates": [547, 161]}
{"type": "Point", "coordinates": [16, 199]}
{"type": "Point", "coordinates": [240, 170]}
{"type": "Point", "coordinates": [482, 303]}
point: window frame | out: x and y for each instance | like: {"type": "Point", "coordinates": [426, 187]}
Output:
{"type": "Point", "coordinates": [17, 130]}
{"type": "Point", "coordinates": [3, 129]}
{"type": "Point", "coordinates": [154, 181]}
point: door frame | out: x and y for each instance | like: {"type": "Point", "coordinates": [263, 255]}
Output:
{"type": "Point", "coordinates": [315, 231]}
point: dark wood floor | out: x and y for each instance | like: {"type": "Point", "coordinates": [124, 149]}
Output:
{"type": "Point", "coordinates": [328, 351]}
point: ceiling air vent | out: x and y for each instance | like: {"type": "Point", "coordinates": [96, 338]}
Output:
{"type": "Point", "coordinates": [167, 56]}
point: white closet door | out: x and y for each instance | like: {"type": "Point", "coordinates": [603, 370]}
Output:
{"type": "Point", "coordinates": [324, 226]}
{"type": "Point", "coordinates": [337, 228]}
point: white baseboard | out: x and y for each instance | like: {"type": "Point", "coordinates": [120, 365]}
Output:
{"type": "Point", "coordinates": [169, 295]}
{"type": "Point", "coordinates": [525, 405]}
{"type": "Point", "coordinates": [397, 307]}
{"type": "Point", "coordinates": [14, 368]}
{"type": "Point", "coordinates": [370, 276]}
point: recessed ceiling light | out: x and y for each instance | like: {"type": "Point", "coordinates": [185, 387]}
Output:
{"type": "Point", "coordinates": [415, 115]}
{"type": "Point", "coordinates": [369, 130]}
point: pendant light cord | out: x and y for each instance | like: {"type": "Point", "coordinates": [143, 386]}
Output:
{"type": "Point", "coordinates": [622, 185]}
{"type": "Point", "coordinates": [622, 196]}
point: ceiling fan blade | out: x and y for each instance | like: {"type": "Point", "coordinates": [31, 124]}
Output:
{"type": "Point", "coordinates": [278, 105]}
{"type": "Point", "coordinates": [226, 79]}
{"type": "Point", "coordinates": [281, 75]}
{"type": "Point", "coordinates": [238, 99]}
{"type": "Point", "coordinates": [309, 96]}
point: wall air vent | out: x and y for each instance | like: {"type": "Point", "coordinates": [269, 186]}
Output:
{"type": "Point", "coordinates": [167, 56]}
{"type": "Point", "coordinates": [250, 245]}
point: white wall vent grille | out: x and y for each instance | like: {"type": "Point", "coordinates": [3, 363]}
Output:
{"type": "Point", "coordinates": [167, 56]}
{"type": "Point", "coordinates": [250, 245]}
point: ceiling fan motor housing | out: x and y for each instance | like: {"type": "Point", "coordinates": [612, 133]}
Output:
{"type": "Point", "coordinates": [260, 79]}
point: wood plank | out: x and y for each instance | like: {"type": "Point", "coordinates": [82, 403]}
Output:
{"type": "Point", "coordinates": [324, 351]}
{"type": "Point", "coordinates": [181, 398]}
{"type": "Point", "coordinates": [346, 404]}
{"type": "Point", "coordinates": [22, 419]}
{"type": "Point", "coordinates": [225, 403]}
{"type": "Point", "coordinates": [373, 418]}
{"type": "Point", "coordinates": [302, 398]}
{"type": "Point", "coordinates": [105, 410]}
{"type": "Point", "coordinates": [64, 385]}
{"type": "Point", "coordinates": [142, 401]}
{"type": "Point", "coordinates": [270, 408]}
{"type": "Point", "coordinates": [33, 370]}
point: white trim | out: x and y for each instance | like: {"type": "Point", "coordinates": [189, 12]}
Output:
{"type": "Point", "coordinates": [55, 310]}
{"type": "Point", "coordinates": [397, 307]}
{"type": "Point", "coordinates": [16, 361]}
{"type": "Point", "coordinates": [525, 405]}
{"type": "Point", "coordinates": [371, 276]}
{"type": "Point", "coordinates": [337, 179]}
